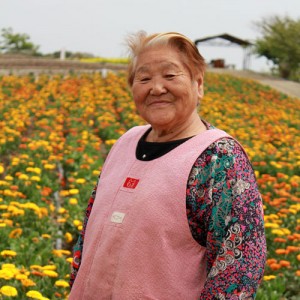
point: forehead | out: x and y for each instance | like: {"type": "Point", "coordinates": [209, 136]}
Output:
{"type": "Point", "coordinates": [159, 56]}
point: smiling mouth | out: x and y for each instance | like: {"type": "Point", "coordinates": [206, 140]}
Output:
{"type": "Point", "coordinates": [158, 103]}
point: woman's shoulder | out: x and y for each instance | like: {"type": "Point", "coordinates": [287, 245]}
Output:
{"type": "Point", "coordinates": [226, 145]}
{"type": "Point", "coordinates": [223, 151]}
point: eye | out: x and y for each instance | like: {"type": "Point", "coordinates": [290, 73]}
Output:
{"type": "Point", "coordinates": [145, 79]}
{"type": "Point", "coordinates": [170, 76]}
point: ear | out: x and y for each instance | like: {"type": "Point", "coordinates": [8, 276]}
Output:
{"type": "Point", "coordinates": [200, 88]}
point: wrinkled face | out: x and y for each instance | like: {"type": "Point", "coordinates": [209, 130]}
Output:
{"type": "Point", "coordinates": [164, 93]}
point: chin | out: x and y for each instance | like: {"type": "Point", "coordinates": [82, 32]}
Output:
{"type": "Point", "coordinates": [160, 117]}
{"type": "Point", "coordinates": [155, 122]}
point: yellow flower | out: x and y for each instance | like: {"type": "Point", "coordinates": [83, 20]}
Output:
{"type": "Point", "coordinates": [64, 193]}
{"type": "Point", "coordinates": [49, 166]}
{"type": "Point", "coordinates": [44, 211]}
{"type": "Point", "coordinates": [62, 210]}
{"type": "Point", "coordinates": [18, 212]}
{"type": "Point", "coordinates": [35, 178]}
{"type": "Point", "coordinates": [50, 273]}
{"type": "Point", "coordinates": [8, 178]}
{"type": "Point", "coordinates": [277, 232]}
{"type": "Point", "coordinates": [1, 169]}
{"type": "Point", "coordinates": [35, 267]}
{"type": "Point", "coordinates": [68, 237]}
{"type": "Point", "coordinates": [37, 170]}
{"type": "Point", "coordinates": [7, 274]}
{"type": "Point", "coordinates": [8, 253]}
{"type": "Point", "coordinates": [69, 259]}
{"type": "Point", "coordinates": [73, 201]}
{"type": "Point", "coordinates": [21, 276]}
{"type": "Point", "coordinates": [49, 267]}
{"type": "Point", "coordinates": [269, 277]}
{"type": "Point", "coordinates": [34, 295]}
{"type": "Point", "coordinates": [60, 253]}
{"type": "Point", "coordinates": [110, 142]}
{"type": "Point", "coordinates": [8, 290]}
{"type": "Point", "coordinates": [271, 225]}
{"type": "Point", "coordinates": [52, 207]}
{"type": "Point", "coordinates": [62, 283]}
{"type": "Point", "coordinates": [96, 172]}
{"type": "Point", "coordinates": [46, 236]}
{"type": "Point", "coordinates": [23, 176]}
{"type": "Point", "coordinates": [286, 231]}
{"type": "Point", "coordinates": [80, 180]}
{"type": "Point", "coordinates": [32, 206]}
{"type": "Point", "coordinates": [77, 222]}
{"type": "Point", "coordinates": [61, 220]}
{"type": "Point", "coordinates": [8, 266]}
{"type": "Point", "coordinates": [73, 191]}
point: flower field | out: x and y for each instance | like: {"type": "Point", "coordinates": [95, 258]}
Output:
{"type": "Point", "coordinates": [55, 132]}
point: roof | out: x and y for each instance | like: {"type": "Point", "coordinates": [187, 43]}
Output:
{"type": "Point", "coordinates": [227, 37]}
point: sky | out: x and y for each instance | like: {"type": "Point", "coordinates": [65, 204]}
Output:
{"type": "Point", "coordinates": [100, 27]}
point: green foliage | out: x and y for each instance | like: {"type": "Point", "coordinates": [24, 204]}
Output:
{"type": "Point", "coordinates": [280, 43]}
{"type": "Point", "coordinates": [16, 42]}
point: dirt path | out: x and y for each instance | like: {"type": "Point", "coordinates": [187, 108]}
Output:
{"type": "Point", "coordinates": [290, 88]}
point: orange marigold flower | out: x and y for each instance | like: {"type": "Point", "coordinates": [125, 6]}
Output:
{"type": "Point", "coordinates": [281, 251]}
{"type": "Point", "coordinates": [292, 248]}
{"type": "Point", "coordinates": [285, 263]}
{"type": "Point", "coordinates": [15, 233]}
{"type": "Point", "coordinates": [37, 273]}
{"type": "Point", "coordinates": [280, 240]}
{"type": "Point", "coordinates": [275, 266]}
{"type": "Point", "coordinates": [271, 261]}
{"type": "Point", "coordinates": [28, 282]}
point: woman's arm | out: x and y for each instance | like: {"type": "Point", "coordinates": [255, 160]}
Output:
{"type": "Point", "coordinates": [77, 250]}
{"type": "Point", "coordinates": [226, 216]}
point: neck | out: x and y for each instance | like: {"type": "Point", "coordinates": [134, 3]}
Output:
{"type": "Point", "coordinates": [190, 128]}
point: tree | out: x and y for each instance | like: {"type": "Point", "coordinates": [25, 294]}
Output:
{"type": "Point", "coordinates": [280, 43]}
{"type": "Point", "coordinates": [16, 42]}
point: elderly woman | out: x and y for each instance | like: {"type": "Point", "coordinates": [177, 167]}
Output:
{"type": "Point", "coordinates": [176, 213]}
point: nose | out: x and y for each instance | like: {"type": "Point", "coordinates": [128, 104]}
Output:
{"type": "Point", "coordinates": [157, 87]}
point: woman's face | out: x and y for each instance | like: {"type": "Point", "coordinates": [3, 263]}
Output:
{"type": "Point", "coordinates": [163, 90]}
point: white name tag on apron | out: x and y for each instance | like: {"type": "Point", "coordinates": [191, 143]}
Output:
{"type": "Point", "coordinates": [117, 217]}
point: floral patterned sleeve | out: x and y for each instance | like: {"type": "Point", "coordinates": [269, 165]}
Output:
{"type": "Point", "coordinates": [225, 214]}
{"type": "Point", "coordinates": [77, 249]}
